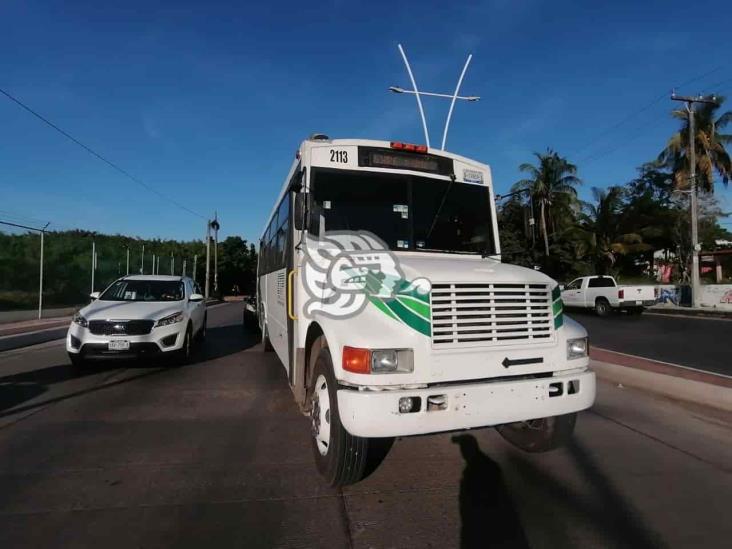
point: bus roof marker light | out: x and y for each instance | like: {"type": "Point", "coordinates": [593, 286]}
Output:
{"type": "Point", "coordinates": [398, 145]}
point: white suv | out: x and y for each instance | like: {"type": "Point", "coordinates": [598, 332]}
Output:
{"type": "Point", "coordinates": [136, 316]}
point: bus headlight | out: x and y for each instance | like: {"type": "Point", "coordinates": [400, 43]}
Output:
{"type": "Point", "coordinates": [577, 348]}
{"type": "Point", "coordinates": [378, 361]}
{"type": "Point", "coordinates": [384, 360]}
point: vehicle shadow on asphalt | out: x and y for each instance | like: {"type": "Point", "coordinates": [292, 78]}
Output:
{"type": "Point", "coordinates": [15, 389]}
{"type": "Point", "coordinates": [487, 513]}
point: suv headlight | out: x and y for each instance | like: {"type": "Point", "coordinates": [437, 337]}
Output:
{"type": "Point", "coordinates": [80, 320]}
{"type": "Point", "coordinates": [577, 348]}
{"type": "Point", "coordinates": [170, 319]}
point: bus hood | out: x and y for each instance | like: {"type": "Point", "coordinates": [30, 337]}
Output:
{"type": "Point", "coordinates": [444, 268]}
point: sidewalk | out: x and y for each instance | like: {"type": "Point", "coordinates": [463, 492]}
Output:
{"type": "Point", "coordinates": [669, 380]}
{"type": "Point", "coordinates": [26, 326]}
{"type": "Point", "coordinates": [668, 309]}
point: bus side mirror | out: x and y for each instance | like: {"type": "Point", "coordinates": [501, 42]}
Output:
{"type": "Point", "coordinates": [301, 202]}
{"type": "Point", "coordinates": [307, 213]}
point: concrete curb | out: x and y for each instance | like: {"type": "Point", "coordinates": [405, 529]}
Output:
{"type": "Point", "coordinates": [679, 388]}
{"type": "Point", "coordinates": [702, 313]}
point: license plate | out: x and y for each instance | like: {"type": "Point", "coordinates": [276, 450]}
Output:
{"type": "Point", "coordinates": [639, 303]}
{"type": "Point", "coordinates": [119, 345]}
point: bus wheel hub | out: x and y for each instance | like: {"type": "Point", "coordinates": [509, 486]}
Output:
{"type": "Point", "coordinates": [321, 415]}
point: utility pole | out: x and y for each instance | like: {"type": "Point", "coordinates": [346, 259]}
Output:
{"type": "Point", "coordinates": [128, 260]}
{"type": "Point", "coordinates": [184, 267]}
{"type": "Point", "coordinates": [208, 255]}
{"type": "Point", "coordinates": [172, 263]}
{"type": "Point", "coordinates": [694, 206]}
{"type": "Point", "coordinates": [142, 260]}
{"type": "Point", "coordinates": [215, 226]}
{"type": "Point", "coordinates": [40, 277]}
{"type": "Point", "coordinates": [195, 264]}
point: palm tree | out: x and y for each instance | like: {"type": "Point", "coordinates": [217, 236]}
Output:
{"type": "Point", "coordinates": [711, 154]}
{"type": "Point", "coordinates": [600, 233]}
{"type": "Point", "coordinates": [552, 179]}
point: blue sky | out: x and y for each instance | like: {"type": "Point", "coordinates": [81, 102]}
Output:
{"type": "Point", "coordinates": [207, 101]}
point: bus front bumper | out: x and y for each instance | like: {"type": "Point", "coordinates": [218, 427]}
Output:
{"type": "Point", "coordinates": [370, 413]}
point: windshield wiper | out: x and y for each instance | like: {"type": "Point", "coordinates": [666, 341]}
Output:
{"type": "Point", "coordinates": [439, 210]}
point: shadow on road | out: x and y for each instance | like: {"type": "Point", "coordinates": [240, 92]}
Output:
{"type": "Point", "coordinates": [487, 513]}
{"type": "Point", "coordinates": [617, 523]}
{"type": "Point", "coordinates": [15, 389]}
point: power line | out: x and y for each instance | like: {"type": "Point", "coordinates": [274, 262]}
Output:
{"type": "Point", "coordinates": [639, 130]}
{"type": "Point", "coordinates": [97, 155]}
{"type": "Point", "coordinates": [643, 109]}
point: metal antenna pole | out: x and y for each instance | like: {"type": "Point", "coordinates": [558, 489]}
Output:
{"type": "Point", "coordinates": [419, 101]}
{"type": "Point", "coordinates": [454, 98]}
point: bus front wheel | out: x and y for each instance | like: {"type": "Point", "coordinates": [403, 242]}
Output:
{"type": "Point", "coordinates": [341, 458]}
{"type": "Point", "coordinates": [540, 435]}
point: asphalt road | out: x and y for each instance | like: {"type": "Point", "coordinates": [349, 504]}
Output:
{"type": "Point", "coordinates": [216, 454]}
{"type": "Point", "coordinates": [694, 342]}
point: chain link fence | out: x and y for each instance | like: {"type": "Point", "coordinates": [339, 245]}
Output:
{"type": "Point", "coordinates": [76, 263]}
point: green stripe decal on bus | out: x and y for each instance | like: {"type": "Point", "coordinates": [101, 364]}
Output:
{"type": "Point", "coordinates": [408, 305]}
{"type": "Point", "coordinates": [403, 313]}
{"type": "Point", "coordinates": [557, 308]}
{"type": "Point", "coordinates": [379, 304]}
{"type": "Point", "coordinates": [417, 306]}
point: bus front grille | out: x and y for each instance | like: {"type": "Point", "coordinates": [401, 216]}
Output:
{"type": "Point", "coordinates": [472, 315]}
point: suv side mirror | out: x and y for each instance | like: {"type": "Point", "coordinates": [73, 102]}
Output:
{"type": "Point", "coordinates": [195, 297]}
{"type": "Point", "coordinates": [94, 295]}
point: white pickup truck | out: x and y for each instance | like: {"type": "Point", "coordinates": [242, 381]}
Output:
{"type": "Point", "coordinates": [603, 294]}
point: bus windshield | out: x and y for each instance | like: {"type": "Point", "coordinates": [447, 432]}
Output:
{"type": "Point", "coordinates": [407, 212]}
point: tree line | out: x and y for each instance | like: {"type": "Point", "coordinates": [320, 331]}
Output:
{"type": "Point", "coordinates": [68, 264]}
{"type": "Point", "coordinates": [545, 225]}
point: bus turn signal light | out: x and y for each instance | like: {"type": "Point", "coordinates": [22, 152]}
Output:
{"type": "Point", "coordinates": [357, 360]}
{"type": "Point", "coordinates": [408, 147]}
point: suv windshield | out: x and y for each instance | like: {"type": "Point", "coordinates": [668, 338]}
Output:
{"type": "Point", "coordinates": [144, 290]}
{"type": "Point", "coordinates": [407, 212]}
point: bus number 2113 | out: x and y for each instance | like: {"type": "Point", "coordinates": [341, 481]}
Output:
{"type": "Point", "coordinates": [339, 156]}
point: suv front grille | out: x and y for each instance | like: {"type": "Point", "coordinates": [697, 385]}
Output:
{"type": "Point", "coordinates": [465, 315]}
{"type": "Point", "coordinates": [121, 327]}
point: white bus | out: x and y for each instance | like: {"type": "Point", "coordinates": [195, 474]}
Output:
{"type": "Point", "coordinates": [441, 336]}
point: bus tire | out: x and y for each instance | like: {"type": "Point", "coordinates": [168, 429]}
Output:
{"type": "Point", "coordinates": [540, 435]}
{"type": "Point", "coordinates": [340, 457]}
{"type": "Point", "coordinates": [602, 307]}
